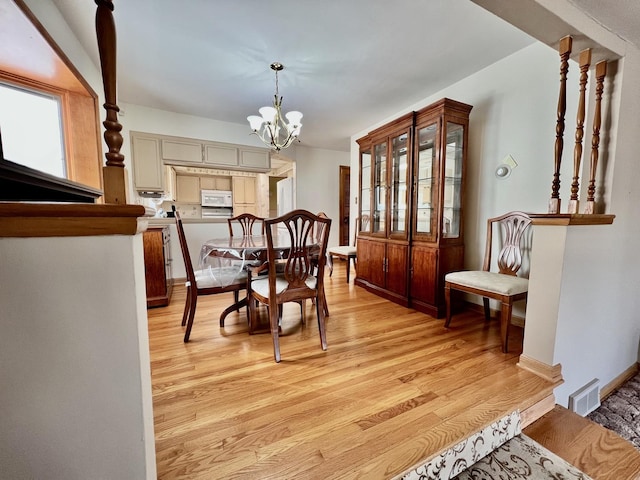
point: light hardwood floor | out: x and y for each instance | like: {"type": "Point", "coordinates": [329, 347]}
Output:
{"type": "Point", "coordinates": [394, 388]}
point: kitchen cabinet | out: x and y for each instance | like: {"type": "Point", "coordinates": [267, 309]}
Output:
{"type": "Point", "coordinates": [215, 183]}
{"type": "Point", "coordinates": [187, 189]}
{"type": "Point", "coordinates": [412, 177]}
{"type": "Point", "coordinates": [148, 175]}
{"type": "Point", "coordinates": [157, 266]}
{"type": "Point", "coordinates": [255, 159]}
{"type": "Point", "coordinates": [157, 150]}
{"type": "Point", "coordinates": [181, 150]}
{"type": "Point", "coordinates": [244, 195]}
{"type": "Point", "coordinates": [220, 155]}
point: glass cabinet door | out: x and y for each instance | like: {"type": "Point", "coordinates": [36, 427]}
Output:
{"type": "Point", "coordinates": [378, 224]}
{"type": "Point", "coordinates": [398, 200]}
{"type": "Point", "coordinates": [452, 195]}
{"type": "Point", "coordinates": [365, 190]}
{"type": "Point", "coordinates": [426, 188]}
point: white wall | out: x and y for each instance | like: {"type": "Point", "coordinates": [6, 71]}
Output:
{"type": "Point", "coordinates": [74, 359]}
{"type": "Point", "coordinates": [318, 184]}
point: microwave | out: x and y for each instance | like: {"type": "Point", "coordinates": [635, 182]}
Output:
{"type": "Point", "coordinates": [216, 198]}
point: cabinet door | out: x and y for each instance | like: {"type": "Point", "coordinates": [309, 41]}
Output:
{"type": "Point", "coordinates": [396, 268]}
{"type": "Point", "coordinates": [426, 193]}
{"type": "Point", "coordinates": [222, 183]}
{"type": "Point", "coordinates": [187, 189]}
{"type": "Point", "coordinates": [181, 151]}
{"type": "Point", "coordinates": [379, 186]}
{"type": "Point", "coordinates": [244, 190]}
{"type": "Point", "coordinates": [147, 164]}
{"type": "Point", "coordinates": [220, 155]}
{"type": "Point", "coordinates": [365, 190]}
{"type": "Point", "coordinates": [398, 185]}
{"type": "Point", "coordinates": [208, 183]}
{"type": "Point", "coordinates": [258, 159]}
{"type": "Point", "coordinates": [424, 262]}
{"type": "Point", "coordinates": [452, 192]}
{"type": "Point", "coordinates": [371, 261]}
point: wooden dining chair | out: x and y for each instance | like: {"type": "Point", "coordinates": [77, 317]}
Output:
{"type": "Point", "coordinates": [299, 279]}
{"type": "Point", "coordinates": [206, 282]}
{"type": "Point", "coordinates": [348, 252]}
{"type": "Point", "coordinates": [504, 285]}
{"type": "Point", "coordinates": [246, 221]}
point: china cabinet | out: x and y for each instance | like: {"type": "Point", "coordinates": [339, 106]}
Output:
{"type": "Point", "coordinates": [412, 174]}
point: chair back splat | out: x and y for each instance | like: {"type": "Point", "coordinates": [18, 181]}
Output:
{"type": "Point", "coordinates": [504, 286]}
{"type": "Point", "coordinates": [246, 222]}
{"type": "Point", "coordinates": [513, 227]}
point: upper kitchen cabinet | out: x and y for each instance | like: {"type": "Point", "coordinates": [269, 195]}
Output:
{"type": "Point", "coordinates": [181, 150]}
{"type": "Point", "coordinates": [412, 187]}
{"type": "Point", "coordinates": [255, 159]}
{"type": "Point", "coordinates": [218, 155]}
{"type": "Point", "coordinates": [148, 170]}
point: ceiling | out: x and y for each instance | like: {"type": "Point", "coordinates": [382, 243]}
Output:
{"type": "Point", "coordinates": [348, 63]}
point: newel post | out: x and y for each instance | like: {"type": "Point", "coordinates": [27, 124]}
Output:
{"type": "Point", "coordinates": [113, 172]}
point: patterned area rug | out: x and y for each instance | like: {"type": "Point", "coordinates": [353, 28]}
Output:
{"type": "Point", "coordinates": [524, 459]}
{"type": "Point", "coordinates": [620, 411]}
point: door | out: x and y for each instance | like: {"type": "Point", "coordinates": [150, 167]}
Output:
{"type": "Point", "coordinates": [345, 189]}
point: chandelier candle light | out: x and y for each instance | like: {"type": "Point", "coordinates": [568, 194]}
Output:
{"type": "Point", "coordinates": [271, 128]}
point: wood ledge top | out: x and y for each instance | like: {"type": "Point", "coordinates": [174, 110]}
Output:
{"type": "Point", "coordinates": [22, 219]}
{"type": "Point", "coordinates": [568, 219]}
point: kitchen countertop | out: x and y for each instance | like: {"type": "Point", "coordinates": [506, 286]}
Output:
{"type": "Point", "coordinates": [171, 221]}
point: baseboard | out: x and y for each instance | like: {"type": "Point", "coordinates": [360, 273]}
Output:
{"type": "Point", "coordinates": [515, 319]}
{"type": "Point", "coordinates": [617, 382]}
{"type": "Point", "coordinates": [548, 372]}
{"type": "Point", "coordinates": [179, 281]}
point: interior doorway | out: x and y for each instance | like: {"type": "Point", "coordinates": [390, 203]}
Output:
{"type": "Point", "coordinates": [345, 195]}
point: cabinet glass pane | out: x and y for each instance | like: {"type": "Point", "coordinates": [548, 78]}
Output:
{"type": "Point", "coordinates": [426, 182]}
{"type": "Point", "coordinates": [379, 187]}
{"type": "Point", "coordinates": [398, 200]}
{"type": "Point", "coordinates": [452, 201]}
{"type": "Point", "coordinates": [365, 192]}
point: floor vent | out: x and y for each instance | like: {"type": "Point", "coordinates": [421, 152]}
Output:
{"type": "Point", "coordinates": [587, 399]}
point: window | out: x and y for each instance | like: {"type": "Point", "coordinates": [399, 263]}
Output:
{"type": "Point", "coordinates": [31, 128]}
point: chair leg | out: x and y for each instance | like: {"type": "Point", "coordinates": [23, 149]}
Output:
{"type": "Point", "coordinates": [349, 258]}
{"type": "Point", "coordinates": [487, 309]}
{"type": "Point", "coordinates": [187, 304]}
{"type": "Point", "coordinates": [330, 263]}
{"type": "Point", "coordinates": [252, 312]}
{"type": "Point", "coordinates": [447, 299]}
{"type": "Point", "coordinates": [321, 323]}
{"type": "Point", "coordinates": [505, 323]}
{"type": "Point", "coordinates": [273, 320]}
{"type": "Point", "coordinates": [192, 313]}
{"type": "Point", "coordinates": [236, 297]}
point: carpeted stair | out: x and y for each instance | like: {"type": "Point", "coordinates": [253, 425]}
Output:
{"type": "Point", "coordinates": [499, 451]}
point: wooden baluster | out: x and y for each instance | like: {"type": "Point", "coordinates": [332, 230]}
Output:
{"type": "Point", "coordinates": [113, 173]}
{"type": "Point", "coordinates": [564, 50]}
{"type": "Point", "coordinates": [601, 71]}
{"type": "Point", "coordinates": [585, 63]}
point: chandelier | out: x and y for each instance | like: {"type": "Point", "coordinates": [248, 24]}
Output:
{"type": "Point", "coordinates": [270, 127]}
